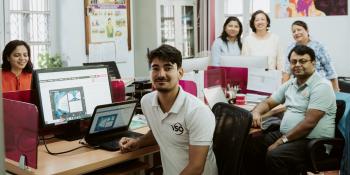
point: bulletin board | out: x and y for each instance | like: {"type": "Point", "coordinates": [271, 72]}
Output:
{"type": "Point", "coordinates": [107, 21]}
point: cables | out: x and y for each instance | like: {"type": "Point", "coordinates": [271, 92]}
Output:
{"type": "Point", "coordinates": [56, 153]}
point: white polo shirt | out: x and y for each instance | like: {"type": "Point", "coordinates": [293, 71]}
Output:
{"type": "Point", "coordinates": [189, 122]}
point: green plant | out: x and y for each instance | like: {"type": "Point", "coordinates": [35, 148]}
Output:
{"type": "Point", "coordinates": [48, 61]}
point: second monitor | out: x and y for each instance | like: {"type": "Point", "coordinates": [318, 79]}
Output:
{"type": "Point", "coordinates": [112, 68]}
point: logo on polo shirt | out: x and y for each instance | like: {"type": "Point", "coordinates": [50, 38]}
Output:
{"type": "Point", "coordinates": [177, 128]}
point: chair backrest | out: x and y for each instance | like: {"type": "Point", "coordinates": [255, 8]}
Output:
{"type": "Point", "coordinates": [339, 114]}
{"type": "Point", "coordinates": [231, 132]}
{"type": "Point", "coordinates": [189, 86]}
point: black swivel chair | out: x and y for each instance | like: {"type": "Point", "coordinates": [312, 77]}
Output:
{"type": "Point", "coordinates": [319, 159]}
{"type": "Point", "coordinates": [231, 132]}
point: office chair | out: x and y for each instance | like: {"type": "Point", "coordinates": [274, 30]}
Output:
{"type": "Point", "coordinates": [319, 159]}
{"type": "Point", "coordinates": [344, 84]}
{"type": "Point", "coordinates": [231, 132]}
{"type": "Point", "coordinates": [189, 86]}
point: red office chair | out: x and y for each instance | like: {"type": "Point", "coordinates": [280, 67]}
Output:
{"type": "Point", "coordinates": [189, 86]}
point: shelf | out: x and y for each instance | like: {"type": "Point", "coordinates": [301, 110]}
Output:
{"type": "Point", "coordinates": [167, 18]}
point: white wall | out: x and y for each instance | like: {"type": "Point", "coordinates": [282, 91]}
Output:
{"type": "Point", "coordinates": [2, 26]}
{"type": "Point", "coordinates": [331, 31]}
{"type": "Point", "coordinates": [71, 36]}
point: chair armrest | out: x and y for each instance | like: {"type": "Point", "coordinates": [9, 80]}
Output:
{"type": "Point", "coordinates": [315, 145]}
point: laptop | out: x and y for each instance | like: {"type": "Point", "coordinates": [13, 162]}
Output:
{"type": "Point", "coordinates": [214, 95]}
{"type": "Point", "coordinates": [112, 68]}
{"type": "Point", "coordinates": [109, 124]}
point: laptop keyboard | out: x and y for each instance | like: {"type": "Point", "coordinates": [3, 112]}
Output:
{"type": "Point", "coordinates": [113, 145]}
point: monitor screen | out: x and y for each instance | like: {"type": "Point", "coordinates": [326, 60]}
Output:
{"type": "Point", "coordinates": [245, 61]}
{"type": "Point", "coordinates": [68, 94]}
{"type": "Point", "coordinates": [112, 68]}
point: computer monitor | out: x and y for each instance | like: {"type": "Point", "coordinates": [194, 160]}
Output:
{"type": "Point", "coordinates": [112, 68]}
{"type": "Point", "coordinates": [192, 64]}
{"type": "Point", "coordinates": [70, 94]}
{"type": "Point", "coordinates": [245, 61]}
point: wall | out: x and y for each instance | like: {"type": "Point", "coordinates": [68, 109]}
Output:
{"type": "Point", "coordinates": [2, 26]}
{"type": "Point", "coordinates": [145, 22]}
{"type": "Point", "coordinates": [331, 31]}
{"type": "Point", "coordinates": [71, 36]}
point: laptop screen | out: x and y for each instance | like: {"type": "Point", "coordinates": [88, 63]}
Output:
{"type": "Point", "coordinates": [112, 116]}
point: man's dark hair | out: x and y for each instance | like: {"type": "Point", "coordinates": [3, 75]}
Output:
{"type": "Point", "coordinates": [302, 50]}
{"type": "Point", "coordinates": [166, 53]}
{"type": "Point", "coordinates": [251, 22]}
{"type": "Point", "coordinates": [9, 48]}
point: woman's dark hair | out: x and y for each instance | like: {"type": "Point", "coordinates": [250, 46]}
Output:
{"type": "Point", "coordinates": [166, 53]}
{"type": "Point", "coordinates": [301, 24]}
{"type": "Point", "coordinates": [224, 35]}
{"type": "Point", "coordinates": [251, 22]}
{"type": "Point", "coordinates": [302, 50]}
{"type": "Point", "coordinates": [9, 48]}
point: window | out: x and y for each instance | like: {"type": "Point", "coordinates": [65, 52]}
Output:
{"type": "Point", "coordinates": [238, 8]}
{"type": "Point", "coordinates": [29, 20]}
{"type": "Point", "coordinates": [259, 5]}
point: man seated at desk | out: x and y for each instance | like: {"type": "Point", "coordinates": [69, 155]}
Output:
{"type": "Point", "coordinates": [181, 124]}
{"type": "Point", "coordinates": [310, 113]}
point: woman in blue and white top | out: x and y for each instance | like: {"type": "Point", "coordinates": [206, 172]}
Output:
{"type": "Point", "coordinates": [324, 64]}
{"type": "Point", "coordinates": [229, 43]}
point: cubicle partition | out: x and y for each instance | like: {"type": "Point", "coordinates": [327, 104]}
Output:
{"type": "Point", "coordinates": [229, 76]}
{"type": "Point", "coordinates": [21, 132]}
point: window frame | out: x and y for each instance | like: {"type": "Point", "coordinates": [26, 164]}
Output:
{"type": "Point", "coordinates": [246, 14]}
{"type": "Point", "coordinates": [51, 24]}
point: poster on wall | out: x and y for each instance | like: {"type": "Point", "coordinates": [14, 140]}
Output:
{"type": "Point", "coordinates": [309, 8]}
{"type": "Point", "coordinates": [107, 23]}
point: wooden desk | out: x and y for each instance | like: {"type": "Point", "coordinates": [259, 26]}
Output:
{"type": "Point", "coordinates": [80, 161]}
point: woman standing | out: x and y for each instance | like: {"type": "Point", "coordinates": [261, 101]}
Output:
{"type": "Point", "coordinates": [16, 66]}
{"type": "Point", "coordinates": [263, 43]}
{"type": "Point", "coordinates": [324, 65]}
{"type": "Point", "coordinates": [229, 43]}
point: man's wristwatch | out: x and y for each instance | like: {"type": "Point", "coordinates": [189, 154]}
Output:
{"type": "Point", "coordinates": [284, 139]}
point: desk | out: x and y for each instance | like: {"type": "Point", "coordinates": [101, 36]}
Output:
{"type": "Point", "coordinates": [80, 161]}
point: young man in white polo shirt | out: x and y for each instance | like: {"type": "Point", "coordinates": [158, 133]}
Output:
{"type": "Point", "coordinates": [180, 123]}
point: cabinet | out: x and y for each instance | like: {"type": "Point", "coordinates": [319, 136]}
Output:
{"type": "Point", "coordinates": [177, 26]}
{"type": "Point", "coordinates": [170, 22]}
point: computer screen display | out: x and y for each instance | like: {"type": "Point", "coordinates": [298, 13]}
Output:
{"type": "Point", "coordinates": [68, 94]}
{"type": "Point", "coordinates": [111, 117]}
{"type": "Point", "coordinates": [245, 61]}
{"type": "Point", "coordinates": [112, 68]}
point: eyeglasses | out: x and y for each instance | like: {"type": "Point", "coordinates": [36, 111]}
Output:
{"type": "Point", "coordinates": [301, 61]}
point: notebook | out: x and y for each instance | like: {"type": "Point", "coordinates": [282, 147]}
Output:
{"type": "Point", "coordinates": [109, 124]}
{"type": "Point", "coordinates": [214, 95]}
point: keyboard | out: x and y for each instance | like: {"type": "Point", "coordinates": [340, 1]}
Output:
{"type": "Point", "coordinates": [113, 145]}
